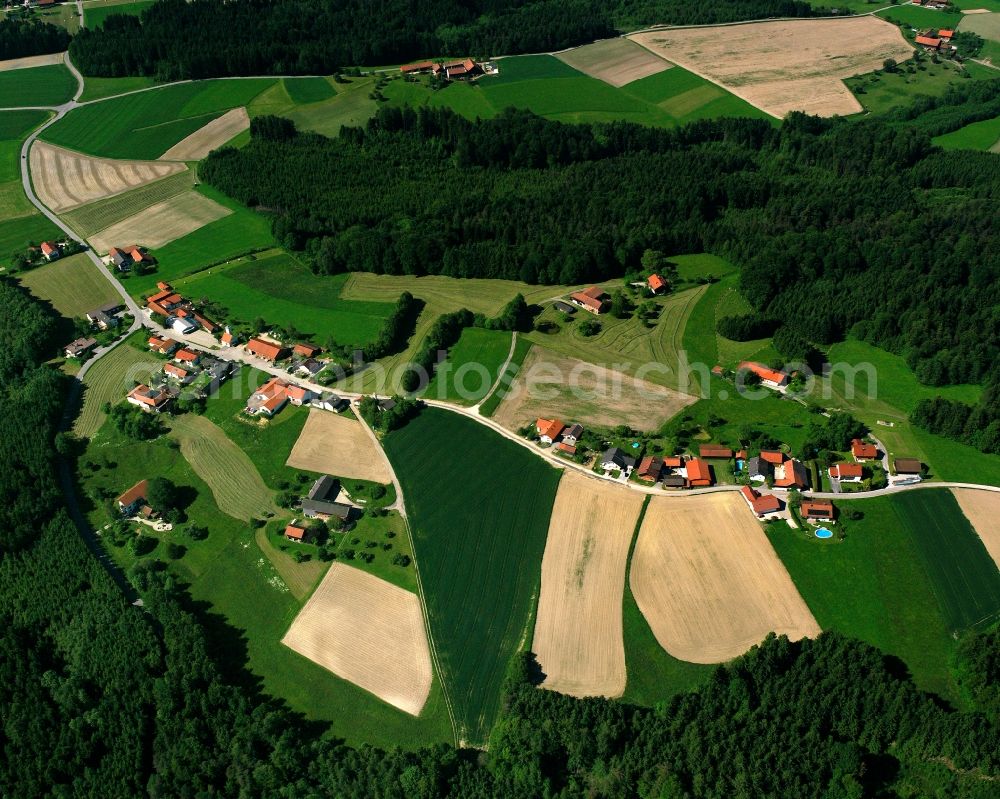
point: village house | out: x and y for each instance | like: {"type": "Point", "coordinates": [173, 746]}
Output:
{"type": "Point", "coordinates": [458, 70]}
{"type": "Point", "coordinates": [125, 258]}
{"type": "Point", "coordinates": [571, 435]}
{"type": "Point", "coordinates": [330, 402]}
{"type": "Point", "coordinates": [267, 350]}
{"type": "Point", "coordinates": [650, 468]}
{"type": "Point", "coordinates": [863, 451]}
{"type": "Point", "coordinates": [698, 473]}
{"type": "Point", "coordinates": [773, 456]}
{"type": "Point", "coordinates": [150, 400]}
{"type": "Point", "coordinates": [673, 462]}
{"type": "Point", "coordinates": [104, 317]}
{"type": "Point", "coordinates": [758, 469]}
{"type": "Point", "coordinates": [548, 430]}
{"type": "Point", "coordinates": [772, 378]}
{"type": "Point", "coordinates": [306, 350]}
{"type": "Point", "coordinates": [846, 472]}
{"type": "Point", "coordinates": [297, 395]}
{"type": "Point", "coordinates": [564, 307]}
{"type": "Point", "coordinates": [185, 376]}
{"type": "Point", "coordinates": [760, 504]}
{"type": "Point", "coordinates": [229, 339]}
{"type": "Point", "coordinates": [928, 42]}
{"type": "Point", "coordinates": [50, 250]}
{"type": "Point", "coordinates": [815, 510]}
{"type": "Point", "coordinates": [614, 460]}
{"type": "Point", "coordinates": [565, 449]}
{"type": "Point", "coordinates": [133, 502]}
{"type": "Point", "coordinates": [946, 35]}
{"type": "Point", "coordinates": [714, 451]}
{"type": "Point", "coordinates": [308, 368]}
{"type": "Point", "coordinates": [320, 502]}
{"type": "Point", "coordinates": [674, 481]}
{"type": "Point", "coordinates": [181, 325]}
{"type": "Point", "coordinates": [164, 346]}
{"type": "Point", "coordinates": [791, 474]}
{"type": "Point", "coordinates": [656, 283]}
{"type": "Point", "coordinates": [593, 299]}
{"type": "Point", "coordinates": [908, 470]}
{"type": "Point", "coordinates": [185, 355]}
{"type": "Point", "coordinates": [297, 532]}
{"type": "Point", "coordinates": [268, 399]}
{"type": "Point", "coordinates": [79, 347]}
{"type": "Point", "coordinates": [165, 301]}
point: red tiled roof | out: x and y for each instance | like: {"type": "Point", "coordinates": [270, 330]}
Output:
{"type": "Point", "coordinates": [227, 337]}
{"type": "Point", "coordinates": [764, 372]}
{"type": "Point", "coordinates": [928, 41]}
{"type": "Point", "coordinates": [760, 503]}
{"type": "Point", "coordinates": [569, 449]}
{"type": "Point", "coordinates": [550, 428]}
{"type": "Point", "coordinates": [945, 34]}
{"type": "Point", "coordinates": [135, 493]}
{"type": "Point", "coordinates": [165, 291]}
{"type": "Point", "coordinates": [673, 462]}
{"type": "Point", "coordinates": [176, 371]}
{"type": "Point", "coordinates": [772, 456]}
{"type": "Point", "coordinates": [656, 282]}
{"type": "Point", "coordinates": [814, 509]}
{"type": "Point", "coordinates": [296, 392]}
{"type": "Point", "coordinates": [863, 450]}
{"type": "Point", "coordinates": [698, 472]}
{"type": "Point", "coordinates": [49, 247]}
{"type": "Point", "coordinates": [296, 532]}
{"type": "Point", "coordinates": [186, 355]}
{"type": "Point", "coordinates": [714, 451]}
{"type": "Point", "coordinates": [265, 349]}
{"type": "Point", "coordinates": [162, 286]}
{"type": "Point", "coordinates": [144, 394]}
{"type": "Point", "coordinates": [417, 67]}
{"type": "Point", "coordinates": [205, 323]}
{"type": "Point", "coordinates": [591, 298]}
{"type": "Point", "coordinates": [845, 471]}
{"type": "Point", "coordinates": [650, 467]}
{"type": "Point", "coordinates": [794, 476]}
{"type": "Point", "coordinates": [309, 350]}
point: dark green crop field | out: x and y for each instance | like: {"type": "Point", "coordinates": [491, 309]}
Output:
{"type": "Point", "coordinates": [479, 506]}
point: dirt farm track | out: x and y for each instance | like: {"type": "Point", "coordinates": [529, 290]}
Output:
{"type": "Point", "coordinates": [783, 66]}
{"type": "Point", "coordinates": [709, 582]}
{"type": "Point", "coordinates": [578, 630]}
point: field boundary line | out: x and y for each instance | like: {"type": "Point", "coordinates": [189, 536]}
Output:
{"type": "Point", "coordinates": [501, 372]}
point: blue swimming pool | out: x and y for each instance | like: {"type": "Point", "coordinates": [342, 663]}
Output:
{"type": "Point", "coordinates": [739, 465]}
{"type": "Point", "coordinates": [822, 532]}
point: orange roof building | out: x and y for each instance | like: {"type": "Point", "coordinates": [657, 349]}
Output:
{"type": "Point", "coordinates": [760, 504]}
{"type": "Point", "coordinates": [566, 449]}
{"type": "Point", "coordinates": [769, 377]}
{"type": "Point", "coordinates": [295, 532]}
{"type": "Point", "coordinates": [945, 34]}
{"type": "Point", "coordinates": [929, 41]}
{"type": "Point", "coordinates": [650, 468]}
{"type": "Point", "coordinates": [151, 400]}
{"type": "Point", "coordinates": [264, 349]}
{"type": "Point", "coordinates": [698, 473]}
{"type": "Point", "coordinates": [791, 474]}
{"type": "Point", "coordinates": [656, 283]}
{"type": "Point", "coordinates": [850, 472]}
{"type": "Point", "coordinates": [308, 350]}
{"type": "Point", "coordinates": [673, 462]}
{"type": "Point", "coordinates": [549, 429]}
{"type": "Point", "coordinates": [418, 67]}
{"type": "Point", "coordinates": [187, 356]}
{"type": "Point", "coordinates": [772, 456]}
{"type": "Point", "coordinates": [863, 451]}
{"type": "Point", "coordinates": [817, 510]}
{"type": "Point", "coordinates": [714, 451]}
{"type": "Point", "coordinates": [593, 299]}
{"type": "Point", "coordinates": [174, 370]}
{"type": "Point", "coordinates": [131, 500]}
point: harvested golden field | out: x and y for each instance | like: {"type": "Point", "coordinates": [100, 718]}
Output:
{"type": "Point", "coordinates": [32, 61]}
{"type": "Point", "coordinates": [578, 629]}
{"type": "Point", "coordinates": [615, 61]}
{"type": "Point", "coordinates": [551, 385]}
{"type": "Point", "coordinates": [982, 509]}
{"type": "Point", "coordinates": [64, 179]}
{"type": "Point", "coordinates": [161, 223]}
{"type": "Point", "coordinates": [783, 66]}
{"type": "Point", "coordinates": [367, 631]}
{"type": "Point", "coordinates": [708, 581]}
{"type": "Point", "coordinates": [338, 446]}
{"type": "Point", "coordinates": [213, 135]}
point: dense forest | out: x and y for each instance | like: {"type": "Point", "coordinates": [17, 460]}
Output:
{"type": "Point", "coordinates": [829, 220]}
{"type": "Point", "coordinates": [175, 39]}
{"type": "Point", "coordinates": [21, 36]}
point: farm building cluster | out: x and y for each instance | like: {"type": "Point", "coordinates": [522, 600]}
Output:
{"type": "Point", "coordinates": [597, 301]}
{"type": "Point", "coordinates": [104, 322]}
{"type": "Point", "coordinates": [464, 69]}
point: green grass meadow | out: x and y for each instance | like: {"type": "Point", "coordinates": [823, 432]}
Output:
{"type": "Point", "coordinates": [147, 124]}
{"type": "Point", "coordinates": [244, 603]}
{"type": "Point", "coordinates": [983, 135]}
{"type": "Point", "coordinates": [49, 85]}
{"type": "Point", "coordinates": [73, 285]}
{"type": "Point", "coordinates": [285, 292]}
{"type": "Point", "coordinates": [308, 90]}
{"type": "Point", "coordinates": [99, 88]}
{"type": "Point", "coordinates": [241, 232]}
{"type": "Point", "coordinates": [921, 18]}
{"type": "Point", "coordinates": [94, 14]}
{"type": "Point", "coordinates": [472, 366]}
{"type": "Point", "coordinates": [492, 402]}
{"type": "Point", "coordinates": [905, 577]}
{"type": "Point", "coordinates": [479, 534]}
